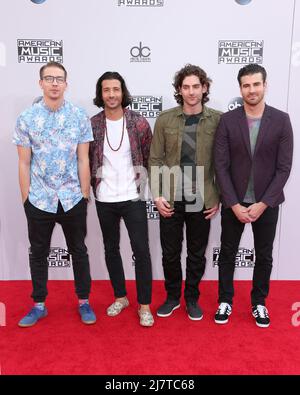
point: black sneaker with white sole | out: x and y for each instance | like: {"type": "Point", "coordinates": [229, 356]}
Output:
{"type": "Point", "coordinates": [166, 309]}
{"type": "Point", "coordinates": [223, 312]}
{"type": "Point", "coordinates": [261, 315]}
{"type": "Point", "coordinates": [194, 311]}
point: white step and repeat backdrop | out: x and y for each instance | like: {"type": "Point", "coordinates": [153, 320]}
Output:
{"type": "Point", "coordinates": [147, 41]}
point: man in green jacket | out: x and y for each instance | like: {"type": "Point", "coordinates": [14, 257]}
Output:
{"type": "Point", "coordinates": [183, 185]}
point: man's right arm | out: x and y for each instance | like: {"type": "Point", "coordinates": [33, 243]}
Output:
{"type": "Point", "coordinates": [24, 170]}
{"type": "Point", "coordinates": [156, 158]}
{"type": "Point", "coordinates": [222, 170]}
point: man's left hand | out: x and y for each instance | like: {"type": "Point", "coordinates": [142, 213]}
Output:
{"type": "Point", "coordinates": [256, 210]}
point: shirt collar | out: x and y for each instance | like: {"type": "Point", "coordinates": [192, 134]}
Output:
{"type": "Point", "coordinates": [50, 109]}
{"type": "Point", "coordinates": [205, 113]}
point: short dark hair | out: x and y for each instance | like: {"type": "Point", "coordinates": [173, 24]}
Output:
{"type": "Point", "coordinates": [250, 69]}
{"type": "Point", "coordinates": [187, 70]}
{"type": "Point", "coordinates": [111, 75]}
{"type": "Point", "coordinates": [52, 64]}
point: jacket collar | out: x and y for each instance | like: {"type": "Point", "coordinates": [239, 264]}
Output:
{"type": "Point", "coordinates": [205, 111]}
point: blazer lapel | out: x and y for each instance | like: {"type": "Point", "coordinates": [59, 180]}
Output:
{"type": "Point", "coordinates": [264, 124]}
{"type": "Point", "coordinates": [130, 127]}
{"type": "Point", "coordinates": [243, 124]}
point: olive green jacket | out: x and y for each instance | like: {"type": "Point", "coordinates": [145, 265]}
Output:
{"type": "Point", "coordinates": [165, 153]}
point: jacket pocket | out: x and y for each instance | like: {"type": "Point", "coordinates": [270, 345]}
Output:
{"type": "Point", "coordinates": [171, 140]}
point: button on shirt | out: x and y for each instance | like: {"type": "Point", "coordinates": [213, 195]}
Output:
{"type": "Point", "coordinates": [53, 137]}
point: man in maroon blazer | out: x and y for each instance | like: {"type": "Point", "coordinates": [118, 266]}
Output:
{"type": "Point", "coordinates": [253, 157]}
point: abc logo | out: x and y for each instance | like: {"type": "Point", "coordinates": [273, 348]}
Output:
{"type": "Point", "coordinates": [243, 2]}
{"type": "Point", "coordinates": [235, 103]}
{"type": "Point", "coordinates": [38, 1]}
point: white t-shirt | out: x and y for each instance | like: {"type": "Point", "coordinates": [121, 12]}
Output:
{"type": "Point", "coordinates": [118, 177]}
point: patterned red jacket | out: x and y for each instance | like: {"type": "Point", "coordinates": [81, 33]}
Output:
{"type": "Point", "coordinates": [140, 136]}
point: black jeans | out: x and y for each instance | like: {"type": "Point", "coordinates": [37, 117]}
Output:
{"type": "Point", "coordinates": [40, 228]}
{"type": "Point", "coordinates": [264, 230]}
{"type": "Point", "coordinates": [171, 236]}
{"type": "Point", "coordinates": [135, 218]}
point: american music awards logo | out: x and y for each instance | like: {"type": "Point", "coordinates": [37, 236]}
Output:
{"type": "Point", "coordinates": [58, 257]}
{"type": "Point", "coordinates": [240, 51]}
{"type": "Point", "coordinates": [152, 212]}
{"type": "Point", "coordinates": [40, 50]}
{"type": "Point", "coordinates": [141, 3]}
{"type": "Point", "coordinates": [245, 257]}
{"type": "Point", "coordinates": [147, 106]}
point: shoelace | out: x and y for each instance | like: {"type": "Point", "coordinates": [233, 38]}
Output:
{"type": "Point", "coordinates": [223, 308]}
{"type": "Point", "coordinates": [35, 311]}
{"type": "Point", "coordinates": [32, 312]}
{"type": "Point", "coordinates": [85, 307]}
{"type": "Point", "coordinates": [261, 311]}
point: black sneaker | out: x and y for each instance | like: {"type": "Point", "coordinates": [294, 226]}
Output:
{"type": "Point", "coordinates": [223, 312]}
{"type": "Point", "coordinates": [260, 313]}
{"type": "Point", "coordinates": [194, 311]}
{"type": "Point", "coordinates": [166, 309]}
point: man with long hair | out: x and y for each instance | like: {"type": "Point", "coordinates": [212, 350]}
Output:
{"type": "Point", "coordinates": [118, 160]}
{"type": "Point", "coordinates": [183, 187]}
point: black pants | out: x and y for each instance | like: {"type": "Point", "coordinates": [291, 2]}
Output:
{"type": "Point", "coordinates": [135, 218]}
{"type": "Point", "coordinates": [171, 236]}
{"type": "Point", "coordinates": [40, 228]}
{"type": "Point", "coordinates": [264, 230]}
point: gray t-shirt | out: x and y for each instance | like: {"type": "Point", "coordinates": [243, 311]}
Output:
{"type": "Point", "coordinates": [188, 160]}
{"type": "Point", "coordinates": [254, 124]}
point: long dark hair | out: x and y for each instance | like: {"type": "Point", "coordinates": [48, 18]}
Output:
{"type": "Point", "coordinates": [187, 70]}
{"type": "Point", "coordinates": [111, 75]}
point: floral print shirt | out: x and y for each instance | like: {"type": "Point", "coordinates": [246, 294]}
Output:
{"type": "Point", "coordinates": [53, 137]}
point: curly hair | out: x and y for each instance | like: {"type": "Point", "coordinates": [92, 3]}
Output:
{"type": "Point", "coordinates": [111, 75]}
{"type": "Point", "coordinates": [187, 70]}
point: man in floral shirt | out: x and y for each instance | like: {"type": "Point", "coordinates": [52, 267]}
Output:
{"type": "Point", "coordinates": [52, 137]}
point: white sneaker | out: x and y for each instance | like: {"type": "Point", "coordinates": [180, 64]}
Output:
{"type": "Point", "coordinates": [223, 312]}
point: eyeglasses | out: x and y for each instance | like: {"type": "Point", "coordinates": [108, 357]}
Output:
{"type": "Point", "coordinates": [50, 79]}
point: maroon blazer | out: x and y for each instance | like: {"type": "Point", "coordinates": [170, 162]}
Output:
{"type": "Point", "coordinates": [271, 162]}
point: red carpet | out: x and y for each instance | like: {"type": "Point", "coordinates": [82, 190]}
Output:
{"type": "Point", "coordinates": [60, 344]}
